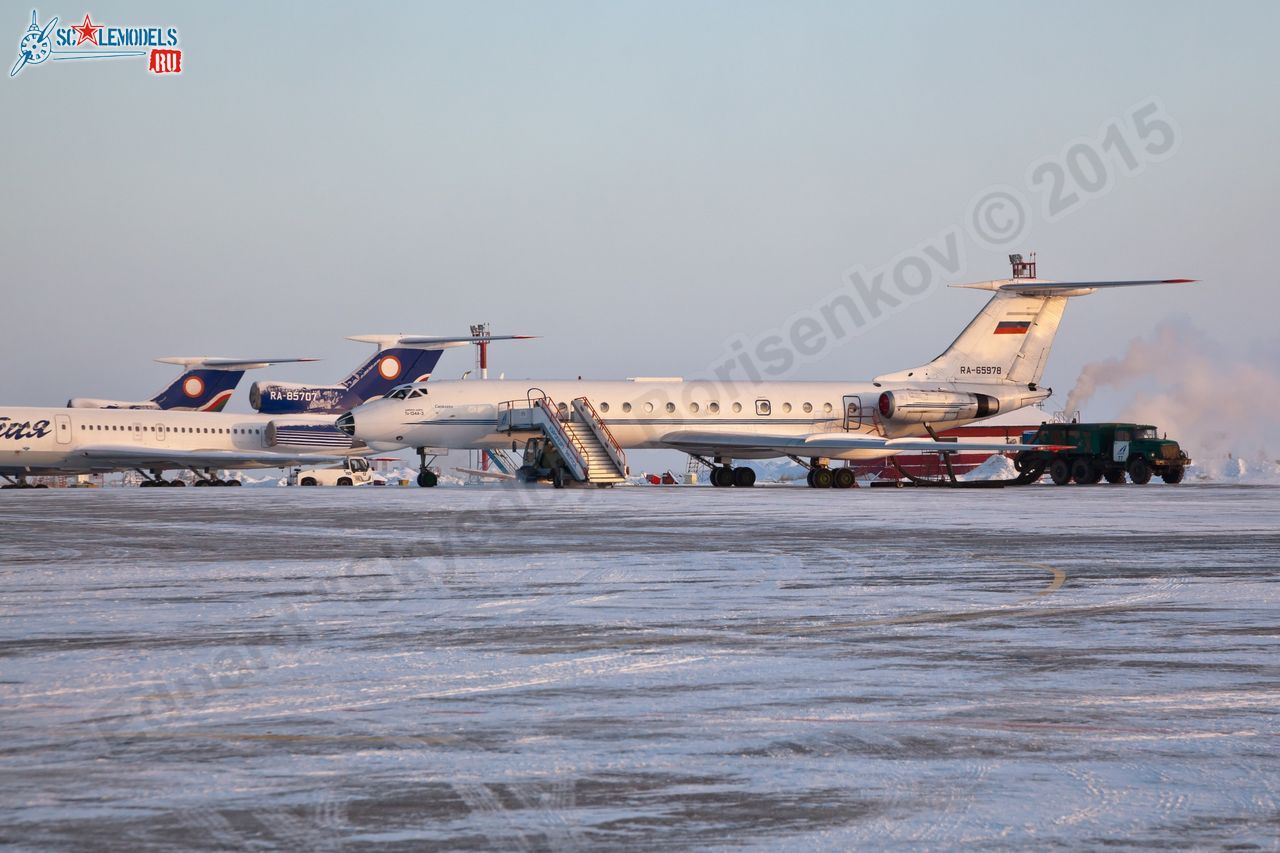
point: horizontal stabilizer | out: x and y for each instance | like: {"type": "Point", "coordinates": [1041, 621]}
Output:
{"type": "Point", "coordinates": [433, 342]}
{"type": "Point", "coordinates": [1044, 287]}
{"type": "Point", "coordinates": [208, 362]}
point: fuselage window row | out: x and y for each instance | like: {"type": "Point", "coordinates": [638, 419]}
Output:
{"type": "Point", "coordinates": [763, 407]}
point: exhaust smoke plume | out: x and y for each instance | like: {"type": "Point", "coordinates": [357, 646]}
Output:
{"type": "Point", "coordinates": [1211, 402]}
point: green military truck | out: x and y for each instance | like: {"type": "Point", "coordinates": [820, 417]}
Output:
{"type": "Point", "coordinates": [1100, 451]}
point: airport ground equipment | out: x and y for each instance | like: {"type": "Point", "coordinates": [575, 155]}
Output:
{"type": "Point", "coordinates": [353, 472]}
{"type": "Point", "coordinates": [563, 443]}
{"type": "Point", "coordinates": [1089, 453]}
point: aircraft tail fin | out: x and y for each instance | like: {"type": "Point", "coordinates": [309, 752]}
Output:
{"type": "Point", "coordinates": [393, 364]}
{"type": "Point", "coordinates": [209, 381]}
{"type": "Point", "coordinates": [199, 389]}
{"type": "Point", "coordinates": [405, 358]}
{"type": "Point", "coordinates": [1008, 343]}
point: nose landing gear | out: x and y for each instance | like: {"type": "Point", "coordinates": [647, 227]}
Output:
{"type": "Point", "coordinates": [426, 477]}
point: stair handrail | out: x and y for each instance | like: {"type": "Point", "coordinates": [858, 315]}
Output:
{"type": "Point", "coordinates": [601, 429]}
{"type": "Point", "coordinates": [572, 441]}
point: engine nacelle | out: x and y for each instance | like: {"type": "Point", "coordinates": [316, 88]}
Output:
{"type": "Point", "coordinates": [312, 433]}
{"type": "Point", "coordinates": [92, 403]}
{"type": "Point", "coordinates": [918, 407]}
{"type": "Point", "coordinates": [280, 398]}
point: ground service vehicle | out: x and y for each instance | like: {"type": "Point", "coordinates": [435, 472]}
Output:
{"type": "Point", "coordinates": [1105, 450]}
{"type": "Point", "coordinates": [355, 472]}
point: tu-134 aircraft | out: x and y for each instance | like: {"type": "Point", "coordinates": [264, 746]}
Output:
{"type": "Point", "coordinates": [995, 365]}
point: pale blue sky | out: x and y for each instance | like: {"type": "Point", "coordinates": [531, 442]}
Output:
{"type": "Point", "coordinates": [637, 182]}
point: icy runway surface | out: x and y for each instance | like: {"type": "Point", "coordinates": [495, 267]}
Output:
{"type": "Point", "coordinates": [529, 668]}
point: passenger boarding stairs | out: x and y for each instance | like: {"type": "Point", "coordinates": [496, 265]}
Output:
{"type": "Point", "coordinates": [578, 433]}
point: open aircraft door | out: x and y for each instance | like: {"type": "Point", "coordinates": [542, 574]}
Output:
{"type": "Point", "coordinates": [62, 428]}
{"type": "Point", "coordinates": [852, 413]}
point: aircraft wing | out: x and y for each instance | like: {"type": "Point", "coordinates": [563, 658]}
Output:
{"type": "Point", "coordinates": [125, 456]}
{"type": "Point", "coordinates": [723, 443]}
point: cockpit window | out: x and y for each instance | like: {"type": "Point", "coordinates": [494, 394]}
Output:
{"type": "Point", "coordinates": [418, 392]}
{"type": "Point", "coordinates": [399, 393]}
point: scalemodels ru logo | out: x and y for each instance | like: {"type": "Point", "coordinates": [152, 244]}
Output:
{"type": "Point", "coordinates": [41, 43]}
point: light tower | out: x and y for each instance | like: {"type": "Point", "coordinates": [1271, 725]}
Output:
{"type": "Point", "coordinates": [480, 331]}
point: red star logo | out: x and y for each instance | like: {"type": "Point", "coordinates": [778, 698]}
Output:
{"type": "Point", "coordinates": [88, 31]}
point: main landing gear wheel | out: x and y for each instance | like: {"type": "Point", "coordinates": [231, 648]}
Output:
{"type": "Point", "coordinates": [1139, 471]}
{"type": "Point", "coordinates": [744, 477]}
{"type": "Point", "coordinates": [722, 476]}
{"type": "Point", "coordinates": [1060, 472]}
{"type": "Point", "coordinates": [427, 479]}
{"type": "Point", "coordinates": [844, 478]}
{"type": "Point", "coordinates": [821, 478]}
{"type": "Point", "coordinates": [180, 484]}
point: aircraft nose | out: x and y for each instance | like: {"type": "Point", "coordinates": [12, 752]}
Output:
{"type": "Point", "coordinates": [347, 424]}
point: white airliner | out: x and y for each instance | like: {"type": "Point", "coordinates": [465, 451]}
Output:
{"type": "Point", "coordinates": [39, 441]}
{"type": "Point", "coordinates": [994, 366]}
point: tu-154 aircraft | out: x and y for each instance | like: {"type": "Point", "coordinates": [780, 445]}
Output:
{"type": "Point", "coordinates": [39, 441]}
{"type": "Point", "coordinates": [995, 365]}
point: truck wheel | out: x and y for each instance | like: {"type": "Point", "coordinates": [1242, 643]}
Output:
{"type": "Point", "coordinates": [1082, 471]}
{"type": "Point", "coordinates": [1139, 471]}
{"type": "Point", "coordinates": [1114, 475]}
{"type": "Point", "coordinates": [427, 479]}
{"type": "Point", "coordinates": [1060, 471]}
{"type": "Point", "coordinates": [308, 481]}
{"type": "Point", "coordinates": [344, 481]}
{"type": "Point", "coordinates": [1173, 475]}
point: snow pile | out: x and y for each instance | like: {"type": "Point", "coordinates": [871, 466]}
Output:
{"type": "Point", "coordinates": [996, 467]}
{"type": "Point", "coordinates": [772, 471]}
{"type": "Point", "coordinates": [1236, 469]}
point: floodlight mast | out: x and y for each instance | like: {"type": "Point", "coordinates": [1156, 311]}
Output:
{"type": "Point", "coordinates": [1021, 268]}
